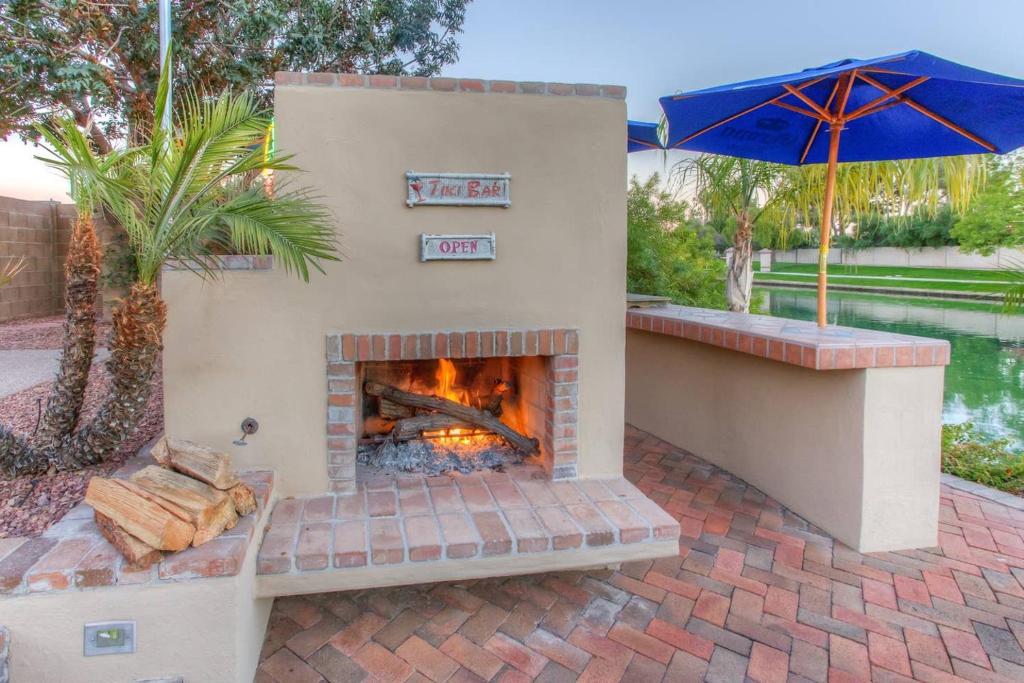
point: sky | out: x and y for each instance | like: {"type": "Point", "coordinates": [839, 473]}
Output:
{"type": "Point", "coordinates": [659, 47]}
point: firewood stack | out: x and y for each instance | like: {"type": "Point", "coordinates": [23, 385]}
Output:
{"type": "Point", "coordinates": [189, 499]}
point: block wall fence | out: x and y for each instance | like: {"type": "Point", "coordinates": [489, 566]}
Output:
{"type": "Point", "coordinates": [37, 231]}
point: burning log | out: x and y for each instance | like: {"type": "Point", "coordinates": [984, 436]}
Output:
{"type": "Point", "coordinates": [413, 427]}
{"type": "Point", "coordinates": [390, 410]}
{"type": "Point", "coordinates": [463, 413]}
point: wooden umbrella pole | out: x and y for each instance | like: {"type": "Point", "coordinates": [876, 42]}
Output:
{"type": "Point", "coordinates": [826, 219]}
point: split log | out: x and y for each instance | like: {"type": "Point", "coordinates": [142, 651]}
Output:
{"type": "Point", "coordinates": [392, 411]}
{"type": "Point", "coordinates": [493, 403]}
{"type": "Point", "coordinates": [199, 462]}
{"type": "Point", "coordinates": [462, 412]}
{"type": "Point", "coordinates": [143, 519]}
{"type": "Point", "coordinates": [413, 427]}
{"type": "Point", "coordinates": [374, 425]}
{"type": "Point", "coordinates": [243, 498]}
{"type": "Point", "coordinates": [138, 554]}
{"type": "Point", "coordinates": [210, 511]}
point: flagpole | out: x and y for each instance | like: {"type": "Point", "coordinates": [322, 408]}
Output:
{"type": "Point", "coordinates": [165, 43]}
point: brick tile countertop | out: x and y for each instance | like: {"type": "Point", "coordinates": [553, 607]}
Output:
{"type": "Point", "coordinates": [72, 555]}
{"type": "Point", "coordinates": [797, 342]}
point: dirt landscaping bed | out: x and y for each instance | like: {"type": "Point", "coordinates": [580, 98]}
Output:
{"type": "Point", "coordinates": [41, 333]}
{"type": "Point", "coordinates": [28, 505]}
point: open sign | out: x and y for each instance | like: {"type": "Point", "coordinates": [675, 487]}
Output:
{"type": "Point", "coordinates": [457, 247]}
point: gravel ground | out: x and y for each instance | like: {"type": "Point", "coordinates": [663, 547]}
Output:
{"type": "Point", "coordinates": [28, 505]}
{"type": "Point", "coordinates": [41, 333]}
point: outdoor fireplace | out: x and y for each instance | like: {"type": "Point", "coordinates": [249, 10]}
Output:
{"type": "Point", "coordinates": [452, 415]}
{"type": "Point", "coordinates": [451, 402]}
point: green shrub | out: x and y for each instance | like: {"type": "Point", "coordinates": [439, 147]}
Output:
{"type": "Point", "coordinates": [919, 230]}
{"type": "Point", "coordinates": [968, 455]}
{"type": "Point", "coordinates": [666, 254]}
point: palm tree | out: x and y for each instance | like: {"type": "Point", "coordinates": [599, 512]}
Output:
{"type": "Point", "coordinates": [183, 195]}
{"type": "Point", "coordinates": [740, 191]}
{"type": "Point", "coordinates": [747, 191]}
{"type": "Point", "coordinates": [81, 277]}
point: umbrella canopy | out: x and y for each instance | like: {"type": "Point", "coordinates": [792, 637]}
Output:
{"type": "Point", "coordinates": [903, 106]}
{"type": "Point", "coordinates": [642, 136]}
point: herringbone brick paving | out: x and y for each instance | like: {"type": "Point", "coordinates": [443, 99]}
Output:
{"type": "Point", "coordinates": [756, 594]}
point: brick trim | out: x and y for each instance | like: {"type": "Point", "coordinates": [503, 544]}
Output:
{"type": "Point", "coordinates": [344, 351]}
{"type": "Point", "coordinates": [794, 342]}
{"type": "Point", "coordinates": [440, 84]}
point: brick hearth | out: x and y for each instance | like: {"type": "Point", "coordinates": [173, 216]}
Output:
{"type": "Point", "coordinates": [510, 522]}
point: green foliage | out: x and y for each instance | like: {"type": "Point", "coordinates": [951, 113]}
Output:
{"type": "Point", "coordinates": [968, 455]}
{"type": "Point", "coordinates": [996, 218]}
{"type": "Point", "coordinates": [727, 189]}
{"type": "Point", "coordinates": [666, 255]}
{"type": "Point", "coordinates": [119, 267]}
{"type": "Point", "coordinates": [917, 230]}
{"type": "Point", "coordinates": [188, 193]}
{"type": "Point", "coordinates": [100, 60]}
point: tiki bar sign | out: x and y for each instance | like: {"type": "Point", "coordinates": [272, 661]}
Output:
{"type": "Point", "coordinates": [457, 248]}
{"type": "Point", "coordinates": [457, 189]}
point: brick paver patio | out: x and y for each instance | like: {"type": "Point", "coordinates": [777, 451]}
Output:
{"type": "Point", "coordinates": [756, 593]}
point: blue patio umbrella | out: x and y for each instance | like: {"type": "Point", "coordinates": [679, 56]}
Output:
{"type": "Point", "coordinates": [642, 136]}
{"type": "Point", "coordinates": [903, 106]}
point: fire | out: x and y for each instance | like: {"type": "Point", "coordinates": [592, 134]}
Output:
{"type": "Point", "coordinates": [446, 388]}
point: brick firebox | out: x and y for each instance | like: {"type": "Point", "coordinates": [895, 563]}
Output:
{"type": "Point", "coordinates": [560, 347]}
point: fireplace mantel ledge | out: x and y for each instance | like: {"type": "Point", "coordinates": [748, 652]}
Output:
{"type": "Point", "coordinates": [796, 342]}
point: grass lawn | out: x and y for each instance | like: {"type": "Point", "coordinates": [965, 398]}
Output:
{"type": "Point", "coordinates": [897, 272]}
{"type": "Point", "coordinates": [935, 279]}
{"type": "Point", "coordinates": [890, 282]}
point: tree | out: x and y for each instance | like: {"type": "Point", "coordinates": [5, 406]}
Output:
{"type": "Point", "coordinates": [754, 194]}
{"type": "Point", "coordinates": [179, 196]}
{"type": "Point", "coordinates": [98, 61]}
{"type": "Point", "coordinates": [667, 255]}
{"type": "Point", "coordinates": [996, 218]}
{"type": "Point", "coordinates": [740, 192]}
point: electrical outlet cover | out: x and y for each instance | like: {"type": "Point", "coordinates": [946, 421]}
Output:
{"type": "Point", "coordinates": [109, 638]}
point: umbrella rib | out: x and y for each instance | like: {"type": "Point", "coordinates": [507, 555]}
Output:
{"type": "Point", "coordinates": [798, 110]}
{"type": "Point", "coordinates": [864, 109]}
{"type": "Point", "coordinates": [817, 126]}
{"type": "Point", "coordinates": [643, 142]}
{"type": "Point", "coordinates": [879, 108]}
{"type": "Point", "coordinates": [726, 120]}
{"type": "Point", "coordinates": [920, 108]}
{"type": "Point", "coordinates": [808, 101]}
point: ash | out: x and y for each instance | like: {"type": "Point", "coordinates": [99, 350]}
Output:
{"type": "Point", "coordinates": [431, 458]}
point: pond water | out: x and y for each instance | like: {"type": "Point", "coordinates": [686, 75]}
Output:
{"type": "Point", "coordinates": [984, 380]}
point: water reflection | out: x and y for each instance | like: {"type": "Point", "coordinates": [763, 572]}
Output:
{"type": "Point", "coordinates": [984, 381]}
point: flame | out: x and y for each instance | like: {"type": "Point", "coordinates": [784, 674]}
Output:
{"type": "Point", "coordinates": [446, 388]}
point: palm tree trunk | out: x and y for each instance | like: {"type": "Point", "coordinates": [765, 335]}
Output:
{"type": "Point", "coordinates": [135, 346]}
{"type": "Point", "coordinates": [82, 270]}
{"type": "Point", "coordinates": [739, 278]}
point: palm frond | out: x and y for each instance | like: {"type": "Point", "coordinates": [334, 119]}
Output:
{"type": "Point", "coordinates": [11, 269]}
{"type": "Point", "coordinates": [193, 190]}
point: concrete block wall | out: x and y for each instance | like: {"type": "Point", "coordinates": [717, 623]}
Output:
{"type": "Point", "coordinates": [29, 230]}
{"type": "Point", "coordinates": [39, 231]}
